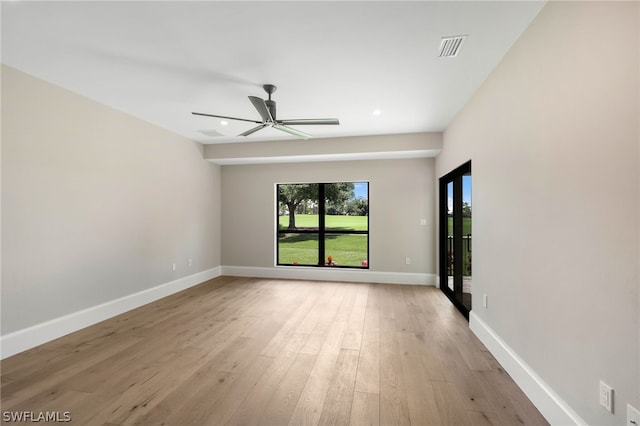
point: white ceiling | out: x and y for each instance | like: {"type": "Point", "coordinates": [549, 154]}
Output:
{"type": "Point", "coordinates": [161, 60]}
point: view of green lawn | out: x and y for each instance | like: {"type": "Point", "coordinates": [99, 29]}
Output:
{"type": "Point", "coordinates": [351, 223]}
{"type": "Point", "coordinates": [345, 249]}
{"type": "Point", "coordinates": [466, 225]}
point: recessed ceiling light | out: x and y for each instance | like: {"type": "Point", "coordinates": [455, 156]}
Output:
{"type": "Point", "coordinates": [224, 122]}
{"type": "Point", "coordinates": [376, 112]}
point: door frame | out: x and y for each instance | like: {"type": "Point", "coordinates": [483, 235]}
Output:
{"type": "Point", "coordinates": [455, 177]}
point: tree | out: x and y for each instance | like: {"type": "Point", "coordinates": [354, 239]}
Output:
{"type": "Point", "coordinates": [337, 196]}
{"type": "Point", "coordinates": [466, 209]}
{"type": "Point", "coordinates": [293, 195]}
{"type": "Point", "coordinates": [358, 207]}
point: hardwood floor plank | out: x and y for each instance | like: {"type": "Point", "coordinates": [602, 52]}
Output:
{"type": "Point", "coordinates": [238, 350]}
{"type": "Point", "coordinates": [63, 401]}
{"type": "Point", "coordinates": [353, 335]}
{"type": "Point", "coordinates": [285, 398]}
{"type": "Point", "coordinates": [421, 399]}
{"type": "Point", "coordinates": [510, 402]}
{"type": "Point", "coordinates": [337, 405]}
{"type": "Point", "coordinates": [449, 403]}
{"type": "Point", "coordinates": [190, 403]}
{"type": "Point", "coordinates": [309, 406]}
{"type": "Point", "coordinates": [42, 379]}
{"type": "Point", "coordinates": [476, 397]}
{"type": "Point", "coordinates": [393, 396]}
{"type": "Point", "coordinates": [344, 312]}
{"type": "Point", "coordinates": [373, 299]}
{"type": "Point", "coordinates": [368, 376]}
{"type": "Point", "coordinates": [386, 301]}
{"type": "Point", "coordinates": [275, 345]}
{"type": "Point", "coordinates": [252, 408]}
{"type": "Point", "coordinates": [321, 329]}
{"type": "Point", "coordinates": [137, 401]}
{"type": "Point", "coordinates": [314, 314]}
{"type": "Point", "coordinates": [401, 314]}
{"type": "Point", "coordinates": [223, 409]}
{"type": "Point", "coordinates": [477, 418]}
{"type": "Point", "coordinates": [365, 410]}
{"type": "Point", "coordinates": [471, 353]}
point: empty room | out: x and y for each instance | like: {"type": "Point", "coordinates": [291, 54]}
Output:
{"type": "Point", "coordinates": [320, 212]}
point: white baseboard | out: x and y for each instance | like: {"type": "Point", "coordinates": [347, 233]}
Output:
{"type": "Point", "coordinates": [552, 407]}
{"type": "Point", "coordinates": [21, 340]}
{"type": "Point", "coordinates": [330, 274]}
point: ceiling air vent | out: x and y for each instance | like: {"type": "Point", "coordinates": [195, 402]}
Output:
{"type": "Point", "coordinates": [211, 133]}
{"type": "Point", "coordinates": [450, 46]}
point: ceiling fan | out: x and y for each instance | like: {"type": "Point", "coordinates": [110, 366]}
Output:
{"type": "Point", "coordinates": [267, 110]}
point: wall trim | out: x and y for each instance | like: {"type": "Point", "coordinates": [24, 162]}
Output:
{"type": "Point", "coordinates": [330, 274]}
{"type": "Point", "coordinates": [27, 338]}
{"type": "Point", "coordinates": [546, 400]}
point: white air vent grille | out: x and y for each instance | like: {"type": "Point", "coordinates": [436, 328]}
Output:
{"type": "Point", "coordinates": [450, 46]}
{"type": "Point", "coordinates": [211, 133]}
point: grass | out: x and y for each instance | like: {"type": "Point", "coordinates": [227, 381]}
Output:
{"type": "Point", "coordinates": [347, 223]}
{"type": "Point", "coordinates": [346, 250]}
{"type": "Point", "coordinates": [302, 249]}
{"type": "Point", "coordinates": [298, 248]}
{"type": "Point", "coordinates": [466, 226]}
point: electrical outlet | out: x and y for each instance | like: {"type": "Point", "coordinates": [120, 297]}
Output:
{"type": "Point", "coordinates": [633, 416]}
{"type": "Point", "coordinates": [173, 267]}
{"type": "Point", "coordinates": [606, 396]}
{"type": "Point", "coordinates": [190, 262]}
{"type": "Point", "coordinates": [407, 261]}
{"type": "Point", "coordinates": [485, 303]}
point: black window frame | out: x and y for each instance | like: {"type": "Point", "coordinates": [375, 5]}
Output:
{"type": "Point", "coordinates": [322, 232]}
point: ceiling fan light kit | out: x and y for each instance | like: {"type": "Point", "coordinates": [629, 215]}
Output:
{"type": "Point", "coordinates": [267, 110]}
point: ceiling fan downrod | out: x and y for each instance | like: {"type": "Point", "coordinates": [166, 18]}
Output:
{"type": "Point", "coordinates": [270, 88]}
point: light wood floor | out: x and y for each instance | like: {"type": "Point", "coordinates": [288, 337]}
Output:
{"type": "Point", "coordinates": [243, 351]}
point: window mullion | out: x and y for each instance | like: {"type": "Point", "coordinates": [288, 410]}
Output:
{"type": "Point", "coordinates": [321, 223]}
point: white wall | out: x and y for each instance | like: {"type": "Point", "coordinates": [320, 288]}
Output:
{"type": "Point", "coordinates": [97, 205]}
{"type": "Point", "coordinates": [553, 136]}
{"type": "Point", "coordinates": [401, 193]}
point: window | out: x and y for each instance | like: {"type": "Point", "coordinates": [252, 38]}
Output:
{"type": "Point", "coordinates": [323, 224]}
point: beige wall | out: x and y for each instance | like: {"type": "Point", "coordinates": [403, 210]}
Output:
{"type": "Point", "coordinates": [553, 136]}
{"type": "Point", "coordinates": [96, 204]}
{"type": "Point", "coordinates": [401, 193]}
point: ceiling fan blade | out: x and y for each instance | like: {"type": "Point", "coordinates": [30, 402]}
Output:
{"type": "Point", "coordinates": [261, 106]}
{"type": "Point", "coordinates": [301, 121]}
{"type": "Point", "coordinates": [255, 129]}
{"type": "Point", "coordinates": [222, 116]}
{"type": "Point", "coordinates": [292, 131]}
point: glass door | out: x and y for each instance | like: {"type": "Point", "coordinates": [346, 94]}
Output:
{"type": "Point", "coordinates": [456, 237]}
